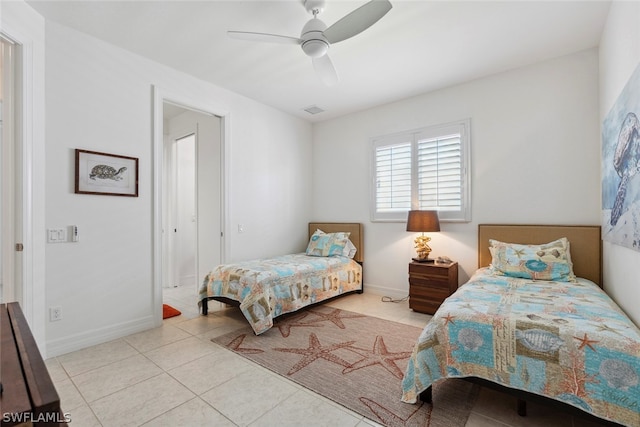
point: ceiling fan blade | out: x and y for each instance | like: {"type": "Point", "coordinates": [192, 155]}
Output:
{"type": "Point", "coordinates": [325, 70]}
{"type": "Point", "coordinates": [263, 37]}
{"type": "Point", "coordinates": [357, 21]}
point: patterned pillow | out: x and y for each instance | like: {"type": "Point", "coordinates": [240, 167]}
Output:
{"type": "Point", "coordinates": [349, 249]}
{"type": "Point", "coordinates": [549, 261]}
{"type": "Point", "coordinates": [329, 244]}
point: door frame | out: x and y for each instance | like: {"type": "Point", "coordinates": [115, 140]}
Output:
{"type": "Point", "coordinates": [29, 133]}
{"type": "Point", "coordinates": [204, 106]}
{"type": "Point", "coordinates": [9, 179]}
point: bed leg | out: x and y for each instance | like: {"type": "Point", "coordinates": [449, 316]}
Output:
{"type": "Point", "coordinates": [522, 408]}
{"type": "Point", "coordinates": [426, 396]}
{"type": "Point", "coordinates": [205, 307]}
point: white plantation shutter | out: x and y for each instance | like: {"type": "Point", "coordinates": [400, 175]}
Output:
{"type": "Point", "coordinates": [393, 181]}
{"type": "Point", "coordinates": [440, 173]}
{"type": "Point", "coordinates": [426, 169]}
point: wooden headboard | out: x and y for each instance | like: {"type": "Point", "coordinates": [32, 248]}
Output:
{"type": "Point", "coordinates": [355, 228]}
{"type": "Point", "coordinates": [585, 244]}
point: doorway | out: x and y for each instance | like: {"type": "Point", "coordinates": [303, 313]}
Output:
{"type": "Point", "coordinates": [192, 202]}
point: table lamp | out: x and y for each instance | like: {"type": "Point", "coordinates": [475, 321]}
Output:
{"type": "Point", "coordinates": [423, 221]}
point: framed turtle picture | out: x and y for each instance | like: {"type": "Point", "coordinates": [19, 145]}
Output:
{"type": "Point", "coordinates": [620, 171]}
{"type": "Point", "coordinates": [106, 174]}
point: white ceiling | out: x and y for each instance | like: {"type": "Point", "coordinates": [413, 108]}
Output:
{"type": "Point", "coordinates": [419, 46]}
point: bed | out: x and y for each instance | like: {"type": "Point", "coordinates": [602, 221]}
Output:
{"type": "Point", "coordinates": [543, 337]}
{"type": "Point", "coordinates": [267, 288]}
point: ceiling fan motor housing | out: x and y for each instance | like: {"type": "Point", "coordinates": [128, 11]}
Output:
{"type": "Point", "coordinates": [314, 43]}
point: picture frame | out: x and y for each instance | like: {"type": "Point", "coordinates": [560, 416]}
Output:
{"type": "Point", "coordinates": [106, 174]}
{"type": "Point", "coordinates": [620, 158]}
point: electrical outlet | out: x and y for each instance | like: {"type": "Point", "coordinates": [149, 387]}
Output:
{"type": "Point", "coordinates": [55, 314]}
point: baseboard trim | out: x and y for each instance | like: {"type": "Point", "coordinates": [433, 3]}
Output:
{"type": "Point", "coordinates": [97, 336]}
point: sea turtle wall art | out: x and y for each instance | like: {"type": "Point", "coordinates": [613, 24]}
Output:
{"type": "Point", "coordinates": [621, 168]}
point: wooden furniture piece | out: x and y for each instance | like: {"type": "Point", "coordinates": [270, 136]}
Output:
{"type": "Point", "coordinates": [28, 395]}
{"type": "Point", "coordinates": [430, 284]}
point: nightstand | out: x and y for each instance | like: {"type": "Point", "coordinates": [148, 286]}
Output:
{"type": "Point", "coordinates": [430, 284]}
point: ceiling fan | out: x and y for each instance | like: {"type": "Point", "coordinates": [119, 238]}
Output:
{"type": "Point", "coordinates": [315, 38]}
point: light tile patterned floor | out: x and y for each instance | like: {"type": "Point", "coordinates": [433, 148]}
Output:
{"type": "Point", "coordinates": [165, 377]}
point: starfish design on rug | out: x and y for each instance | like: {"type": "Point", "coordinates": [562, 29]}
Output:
{"type": "Point", "coordinates": [335, 317]}
{"type": "Point", "coordinates": [585, 341]}
{"type": "Point", "coordinates": [285, 327]}
{"type": "Point", "coordinates": [237, 342]}
{"type": "Point", "coordinates": [316, 351]}
{"type": "Point", "coordinates": [379, 355]}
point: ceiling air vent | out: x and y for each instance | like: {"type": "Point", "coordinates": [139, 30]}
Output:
{"type": "Point", "coordinates": [314, 109]}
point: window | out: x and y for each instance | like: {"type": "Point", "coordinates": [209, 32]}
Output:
{"type": "Point", "coordinates": [425, 169]}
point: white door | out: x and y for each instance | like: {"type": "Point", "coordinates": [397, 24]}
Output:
{"type": "Point", "coordinates": [184, 231]}
{"type": "Point", "coordinates": [192, 238]}
{"type": "Point", "coordinates": [10, 229]}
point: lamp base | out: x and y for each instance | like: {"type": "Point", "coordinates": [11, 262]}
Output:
{"type": "Point", "coordinates": [426, 260]}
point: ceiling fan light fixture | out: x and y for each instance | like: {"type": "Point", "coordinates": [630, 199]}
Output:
{"type": "Point", "coordinates": [315, 48]}
{"type": "Point", "coordinates": [313, 43]}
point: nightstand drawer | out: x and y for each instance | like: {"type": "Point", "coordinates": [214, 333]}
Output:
{"type": "Point", "coordinates": [426, 280]}
{"type": "Point", "coordinates": [430, 284]}
{"type": "Point", "coordinates": [429, 271]}
{"type": "Point", "coordinates": [429, 292]}
{"type": "Point", "coordinates": [424, 305]}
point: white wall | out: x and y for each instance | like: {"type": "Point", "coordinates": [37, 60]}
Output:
{"type": "Point", "coordinates": [619, 57]}
{"type": "Point", "coordinates": [99, 97]}
{"type": "Point", "coordinates": [535, 159]}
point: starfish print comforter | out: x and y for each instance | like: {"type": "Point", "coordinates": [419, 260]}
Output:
{"type": "Point", "coordinates": [566, 341]}
{"type": "Point", "coordinates": [268, 288]}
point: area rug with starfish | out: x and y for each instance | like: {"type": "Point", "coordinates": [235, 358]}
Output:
{"type": "Point", "coordinates": [355, 360]}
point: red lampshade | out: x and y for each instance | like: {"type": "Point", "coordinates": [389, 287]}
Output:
{"type": "Point", "coordinates": [423, 221]}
